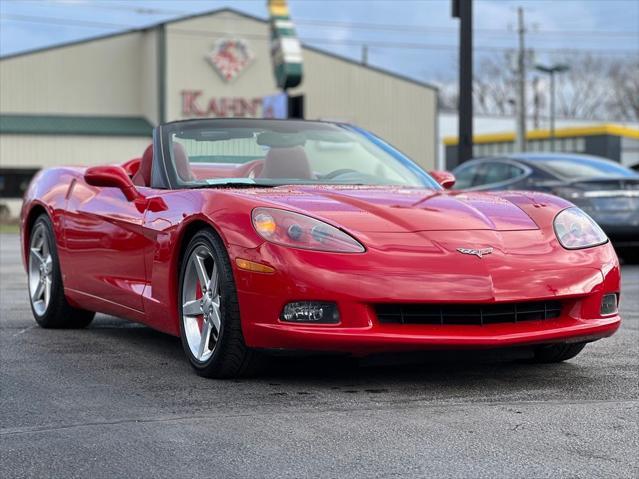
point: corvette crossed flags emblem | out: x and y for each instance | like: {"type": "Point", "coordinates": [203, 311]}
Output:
{"type": "Point", "coordinates": [480, 253]}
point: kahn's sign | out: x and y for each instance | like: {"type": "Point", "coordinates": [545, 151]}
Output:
{"type": "Point", "coordinates": [194, 106]}
{"type": "Point", "coordinates": [229, 57]}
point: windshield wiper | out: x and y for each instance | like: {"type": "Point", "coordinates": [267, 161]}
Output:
{"type": "Point", "coordinates": [234, 183]}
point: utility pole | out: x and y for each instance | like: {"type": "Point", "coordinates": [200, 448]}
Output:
{"type": "Point", "coordinates": [520, 142]}
{"type": "Point", "coordinates": [463, 9]}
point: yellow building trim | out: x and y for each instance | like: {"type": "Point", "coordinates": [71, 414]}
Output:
{"type": "Point", "coordinates": [605, 129]}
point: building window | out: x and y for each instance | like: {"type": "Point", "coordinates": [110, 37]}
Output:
{"type": "Point", "coordinates": [14, 182]}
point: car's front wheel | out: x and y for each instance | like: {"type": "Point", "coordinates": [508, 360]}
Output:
{"type": "Point", "coordinates": [209, 312]}
{"type": "Point", "coordinates": [46, 292]}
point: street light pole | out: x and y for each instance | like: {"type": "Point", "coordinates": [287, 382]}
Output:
{"type": "Point", "coordinates": [520, 140]}
{"type": "Point", "coordinates": [463, 9]}
{"type": "Point", "coordinates": [552, 70]}
{"type": "Point", "coordinates": [552, 110]}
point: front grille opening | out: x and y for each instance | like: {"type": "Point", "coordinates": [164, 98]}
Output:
{"type": "Point", "coordinates": [473, 314]}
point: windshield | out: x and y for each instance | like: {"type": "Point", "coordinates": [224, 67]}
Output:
{"type": "Point", "coordinates": [585, 168]}
{"type": "Point", "coordinates": [273, 153]}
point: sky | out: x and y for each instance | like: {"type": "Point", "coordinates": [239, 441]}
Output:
{"type": "Point", "coordinates": [417, 38]}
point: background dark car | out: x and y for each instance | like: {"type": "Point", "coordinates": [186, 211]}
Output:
{"type": "Point", "coordinates": [606, 190]}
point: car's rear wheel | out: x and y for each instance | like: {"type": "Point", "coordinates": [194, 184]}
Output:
{"type": "Point", "coordinates": [209, 313]}
{"type": "Point", "coordinates": [46, 292]}
{"type": "Point", "coordinates": [557, 353]}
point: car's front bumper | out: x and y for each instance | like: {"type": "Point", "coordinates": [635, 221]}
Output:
{"type": "Point", "coordinates": [381, 338]}
{"type": "Point", "coordinates": [356, 283]}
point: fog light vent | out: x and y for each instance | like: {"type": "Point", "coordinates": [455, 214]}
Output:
{"type": "Point", "coordinates": [609, 304]}
{"type": "Point", "coordinates": [310, 312]}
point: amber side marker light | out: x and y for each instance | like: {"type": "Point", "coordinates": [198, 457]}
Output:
{"type": "Point", "coordinates": [247, 265]}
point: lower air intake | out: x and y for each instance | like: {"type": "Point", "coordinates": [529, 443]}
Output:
{"type": "Point", "coordinates": [473, 314]}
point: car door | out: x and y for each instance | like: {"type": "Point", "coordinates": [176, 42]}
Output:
{"type": "Point", "coordinates": [104, 245]}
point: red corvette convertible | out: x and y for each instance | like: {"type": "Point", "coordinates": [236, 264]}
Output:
{"type": "Point", "coordinates": [244, 236]}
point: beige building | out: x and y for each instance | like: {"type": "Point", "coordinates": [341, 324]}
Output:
{"type": "Point", "coordinates": [96, 101]}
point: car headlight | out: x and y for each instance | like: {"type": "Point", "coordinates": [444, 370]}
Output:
{"type": "Point", "coordinates": [300, 231]}
{"type": "Point", "coordinates": [575, 229]}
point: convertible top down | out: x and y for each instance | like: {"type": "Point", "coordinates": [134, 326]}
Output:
{"type": "Point", "coordinates": [243, 236]}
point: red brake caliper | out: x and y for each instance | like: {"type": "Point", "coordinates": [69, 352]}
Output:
{"type": "Point", "coordinates": [198, 296]}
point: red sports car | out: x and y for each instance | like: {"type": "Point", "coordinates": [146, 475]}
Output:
{"type": "Point", "coordinates": [244, 236]}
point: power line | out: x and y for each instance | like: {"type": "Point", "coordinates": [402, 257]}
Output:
{"type": "Point", "coordinates": [345, 42]}
{"type": "Point", "coordinates": [63, 21]}
{"type": "Point", "coordinates": [434, 29]}
{"type": "Point", "coordinates": [138, 10]}
{"type": "Point", "coordinates": [381, 26]}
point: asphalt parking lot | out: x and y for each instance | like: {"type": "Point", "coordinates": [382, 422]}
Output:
{"type": "Point", "coordinates": [120, 400]}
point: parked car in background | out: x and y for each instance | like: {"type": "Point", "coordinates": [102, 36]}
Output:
{"type": "Point", "coordinates": [606, 190]}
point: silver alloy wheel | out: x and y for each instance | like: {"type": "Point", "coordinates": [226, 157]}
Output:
{"type": "Point", "coordinates": [40, 269]}
{"type": "Point", "coordinates": [201, 315]}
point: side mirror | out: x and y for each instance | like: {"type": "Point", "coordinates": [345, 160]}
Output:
{"type": "Point", "coordinates": [445, 178]}
{"type": "Point", "coordinates": [113, 176]}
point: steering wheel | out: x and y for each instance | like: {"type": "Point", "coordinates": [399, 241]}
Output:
{"type": "Point", "coordinates": [252, 169]}
{"type": "Point", "coordinates": [342, 171]}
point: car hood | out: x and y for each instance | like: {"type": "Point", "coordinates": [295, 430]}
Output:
{"type": "Point", "coordinates": [396, 210]}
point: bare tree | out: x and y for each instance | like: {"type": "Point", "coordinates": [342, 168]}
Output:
{"type": "Point", "coordinates": [595, 87]}
{"type": "Point", "coordinates": [584, 90]}
{"type": "Point", "coordinates": [624, 78]}
{"type": "Point", "coordinates": [494, 86]}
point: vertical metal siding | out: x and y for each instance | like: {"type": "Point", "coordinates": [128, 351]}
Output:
{"type": "Point", "coordinates": [97, 77]}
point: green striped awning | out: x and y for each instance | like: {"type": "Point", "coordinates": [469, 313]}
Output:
{"type": "Point", "coordinates": [74, 125]}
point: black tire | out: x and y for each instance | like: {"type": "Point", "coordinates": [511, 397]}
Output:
{"type": "Point", "coordinates": [231, 357]}
{"type": "Point", "coordinates": [58, 314]}
{"type": "Point", "coordinates": [557, 353]}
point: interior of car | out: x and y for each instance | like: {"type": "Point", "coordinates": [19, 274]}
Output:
{"type": "Point", "coordinates": [337, 157]}
{"type": "Point", "coordinates": [286, 162]}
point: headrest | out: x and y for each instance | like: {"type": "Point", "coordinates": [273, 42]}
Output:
{"type": "Point", "coordinates": [287, 163]}
{"type": "Point", "coordinates": [182, 164]}
{"type": "Point", "coordinates": [143, 176]}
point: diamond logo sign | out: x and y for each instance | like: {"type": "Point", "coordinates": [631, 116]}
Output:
{"type": "Point", "coordinates": [230, 57]}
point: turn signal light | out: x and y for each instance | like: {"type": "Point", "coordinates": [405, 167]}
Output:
{"type": "Point", "coordinates": [264, 224]}
{"type": "Point", "coordinates": [247, 265]}
{"type": "Point", "coordinates": [296, 230]}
